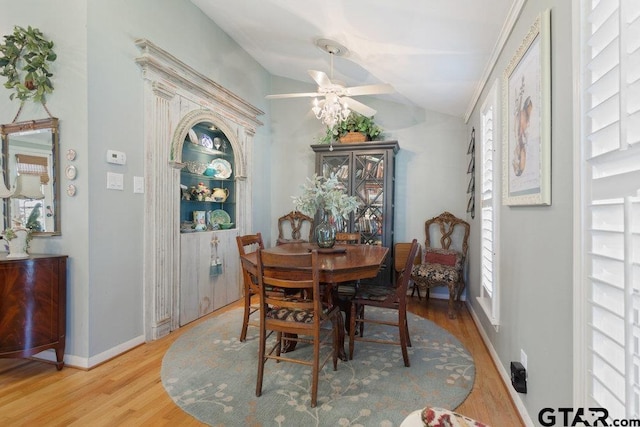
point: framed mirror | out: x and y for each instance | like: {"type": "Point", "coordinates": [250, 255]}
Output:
{"type": "Point", "coordinates": [29, 179]}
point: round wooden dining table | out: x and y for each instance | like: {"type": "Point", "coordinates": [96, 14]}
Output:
{"type": "Point", "coordinates": [342, 263]}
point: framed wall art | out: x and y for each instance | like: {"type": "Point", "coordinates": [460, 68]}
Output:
{"type": "Point", "coordinates": [526, 116]}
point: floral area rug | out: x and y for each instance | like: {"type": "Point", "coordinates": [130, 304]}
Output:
{"type": "Point", "coordinates": [211, 375]}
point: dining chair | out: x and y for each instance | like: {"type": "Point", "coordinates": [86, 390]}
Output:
{"type": "Point", "coordinates": [305, 319]}
{"type": "Point", "coordinates": [446, 245]}
{"type": "Point", "coordinates": [389, 297]}
{"type": "Point", "coordinates": [400, 254]}
{"type": "Point", "coordinates": [291, 227]}
{"type": "Point", "coordinates": [343, 238]}
{"type": "Point", "coordinates": [247, 244]}
{"type": "Point", "coordinates": [346, 290]}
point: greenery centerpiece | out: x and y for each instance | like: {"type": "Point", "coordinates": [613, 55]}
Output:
{"type": "Point", "coordinates": [355, 122]}
{"type": "Point", "coordinates": [327, 197]}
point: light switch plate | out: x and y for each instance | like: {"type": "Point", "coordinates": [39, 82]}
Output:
{"type": "Point", "coordinates": [138, 184]}
{"type": "Point", "coordinates": [115, 181]}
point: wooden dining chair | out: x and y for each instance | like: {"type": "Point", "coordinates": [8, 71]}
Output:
{"type": "Point", "coordinates": [247, 244]}
{"type": "Point", "coordinates": [293, 226]}
{"type": "Point", "coordinates": [346, 290]}
{"type": "Point", "coordinates": [347, 238]}
{"type": "Point", "coordinates": [400, 254]}
{"type": "Point", "coordinates": [385, 297]}
{"type": "Point", "coordinates": [304, 320]}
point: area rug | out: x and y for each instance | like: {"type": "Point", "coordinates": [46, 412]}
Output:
{"type": "Point", "coordinates": [211, 375]}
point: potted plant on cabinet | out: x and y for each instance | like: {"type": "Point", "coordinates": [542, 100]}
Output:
{"type": "Point", "coordinates": [355, 128]}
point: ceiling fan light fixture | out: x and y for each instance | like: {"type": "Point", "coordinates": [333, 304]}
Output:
{"type": "Point", "coordinates": [332, 110]}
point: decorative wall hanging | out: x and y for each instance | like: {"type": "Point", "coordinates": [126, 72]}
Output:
{"type": "Point", "coordinates": [471, 188]}
{"type": "Point", "coordinates": [25, 61]}
{"type": "Point", "coordinates": [526, 153]}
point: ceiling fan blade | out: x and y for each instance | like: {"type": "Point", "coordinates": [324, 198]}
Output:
{"type": "Point", "coordinates": [358, 107]}
{"type": "Point", "coordinates": [369, 89]}
{"type": "Point", "coordinates": [293, 95]}
{"type": "Point", "coordinates": [319, 77]}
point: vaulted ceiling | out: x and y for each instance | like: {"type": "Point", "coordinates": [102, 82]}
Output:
{"type": "Point", "coordinates": [435, 53]}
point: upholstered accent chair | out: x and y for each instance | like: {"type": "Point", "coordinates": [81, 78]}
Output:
{"type": "Point", "coordinates": [303, 318]}
{"type": "Point", "coordinates": [247, 244]}
{"type": "Point", "coordinates": [388, 296]}
{"type": "Point", "coordinates": [446, 245]}
{"type": "Point", "coordinates": [438, 417]}
{"type": "Point", "coordinates": [293, 226]}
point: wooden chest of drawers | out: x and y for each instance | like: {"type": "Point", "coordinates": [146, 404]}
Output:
{"type": "Point", "coordinates": [33, 305]}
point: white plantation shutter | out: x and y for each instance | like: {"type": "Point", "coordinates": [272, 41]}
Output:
{"type": "Point", "coordinates": [489, 291]}
{"type": "Point", "coordinates": [610, 170]}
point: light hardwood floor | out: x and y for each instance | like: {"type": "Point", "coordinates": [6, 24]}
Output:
{"type": "Point", "coordinates": [127, 391]}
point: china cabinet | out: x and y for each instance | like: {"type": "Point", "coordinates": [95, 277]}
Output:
{"type": "Point", "coordinates": [207, 180]}
{"type": "Point", "coordinates": [367, 171]}
{"type": "Point", "coordinates": [33, 305]}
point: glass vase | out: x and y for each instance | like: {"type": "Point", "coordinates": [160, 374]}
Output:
{"type": "Point", "coordinates": [325, 231]}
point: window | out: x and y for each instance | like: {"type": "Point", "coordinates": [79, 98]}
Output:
{"type": "Point", "coordinates": [607, 284]}
{"type": "Point", "coordinates": [488, 298]}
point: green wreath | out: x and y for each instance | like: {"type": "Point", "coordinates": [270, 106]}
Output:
{"type": "Point", "coordinates": [28, 53]}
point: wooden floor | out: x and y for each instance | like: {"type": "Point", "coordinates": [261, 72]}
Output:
{"type": "Point", "coordinates": [127, 391]}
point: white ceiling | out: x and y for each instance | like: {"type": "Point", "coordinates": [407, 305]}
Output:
{"type": "Point", "coordinates": [435, 53]}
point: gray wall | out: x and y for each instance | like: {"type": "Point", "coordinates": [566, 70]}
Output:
{"type": "Point", "coordinates": [98, 98]}
{"type": "Point", "coordinates": [536, 242]}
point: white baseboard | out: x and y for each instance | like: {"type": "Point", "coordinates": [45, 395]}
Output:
{"type": "Point", "coordinates": [506, 376]}
{"type": "Point", "coordinates": [88, 363]}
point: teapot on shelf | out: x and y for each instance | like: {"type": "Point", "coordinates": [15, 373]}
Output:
{"type": "Point", "coordinates": [219, 194]}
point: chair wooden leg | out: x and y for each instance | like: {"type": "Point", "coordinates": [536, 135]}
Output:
{"type": "Point", "coordinates": [406, 327]}
{"type": "Point", "coordinates": [452, 302]}
{"type": "Point", "coordinates": [314, 371]}
{"type": "Point", "coordinates": [352, 330]}
{"type": "Point", "coordinates": [336, 341]}
{"type": "Point", "coordinates": [261, 361]}
{"type": "Point", "coordinates": [402, 330]}
{"type": "Point", "coordinates": [415, 289]}
{"type": "Point", "coordinates": [247, 311]}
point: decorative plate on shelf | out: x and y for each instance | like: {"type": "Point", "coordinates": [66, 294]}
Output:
{"type": "Point", "coordinates": [222, 168]}
{"type": "Point", "coordinates": [193, 137]}
{"type": "Point", "coordinates": [219, 216]}
{"type": "Point", "coordinates": [206, 141]}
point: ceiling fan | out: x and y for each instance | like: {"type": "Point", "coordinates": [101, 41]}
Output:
{"type": "Point", "coordinates": [334, 91]}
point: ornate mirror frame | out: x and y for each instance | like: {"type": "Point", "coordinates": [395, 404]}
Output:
{"type": "Point", "coordinates": [31, 148]}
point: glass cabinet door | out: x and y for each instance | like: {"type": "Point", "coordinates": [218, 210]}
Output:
{"type": "Point", "coordinates": [341, 166]}
{"type": "Point", "coordinates": [368, 184]}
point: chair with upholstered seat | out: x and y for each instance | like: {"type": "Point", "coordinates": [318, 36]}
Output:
{"type": "Point", "coordinates": [446, 245]}
{"type": "Point", "coordinates": [390, 297]}
{"type": "Point", "coordinates": [293, 226]}
{"type": "Point", "coordinates": [247, 244]}
{"type": "Point", "coordinates": [306, 319]}
{"type": "Point", "coordinates": [346, 290]}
